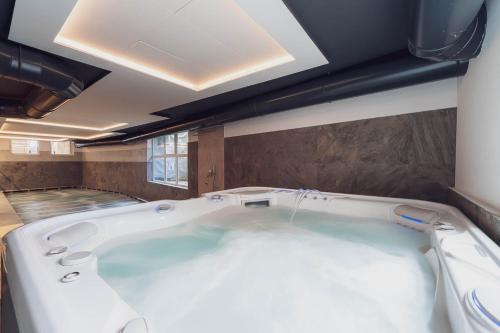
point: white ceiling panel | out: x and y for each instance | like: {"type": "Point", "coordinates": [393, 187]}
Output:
{"type": "Point", "coordinates": [240, 38]}
{"type": "Point", "coordinates": [197, 33]}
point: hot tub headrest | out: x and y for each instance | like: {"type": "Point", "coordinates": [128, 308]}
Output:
{"type": "Point", "coordinates": [415, 217]}
{"type": "Point", "coordinates": [73, 234]}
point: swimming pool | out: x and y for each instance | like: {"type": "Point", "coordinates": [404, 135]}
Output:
{"type": "Point", "coordinates": [36, 205]}
{"type": "Point", "coordinates": [236, 261]}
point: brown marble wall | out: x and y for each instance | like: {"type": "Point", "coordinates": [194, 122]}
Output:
{"type": "Point", "coordinates": [130, 178]}
{"type": "Point", "coordinates": [211, 157]}
{"type": "Point", "coordinates": [43, 170]}
{"type": "Point", "coordinates": [485, 219]}
{"type": "Point", "coordinates": [21, 175]}
{"type": "Point", "coordinates": [408, 156]}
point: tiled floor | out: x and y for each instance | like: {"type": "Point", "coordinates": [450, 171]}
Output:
{"type": "Point", "coordinates": [37, 205]}
{"type": "Point", "coordinates": [8, 218]}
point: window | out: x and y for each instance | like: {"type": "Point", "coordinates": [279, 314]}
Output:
{"type": "Point", "coordinates": [168, 159]}
{"type": "Point", "coordinates": [61, 148]}
{"type": "Point", "coordinates": [24, 147]}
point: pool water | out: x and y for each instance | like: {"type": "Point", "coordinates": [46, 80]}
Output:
{"type": "Point", "coordinates": [251, 270]}
{"type": "Point", "coordinates": [36, 205]}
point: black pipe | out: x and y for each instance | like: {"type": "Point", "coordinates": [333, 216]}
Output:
{"type": "Point", "coordinates": [374, 77]}
{"type": "Point", "coordinates": [447, 29]}
{"type": "Point", "coordinates": [10, 107]}
{"type": "Point", "coordinates": [55, 84]}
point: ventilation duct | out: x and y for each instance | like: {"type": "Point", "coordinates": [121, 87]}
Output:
{"type": "Point", "coordinates": [375, 77]}
{"type": "Point", "coordinates": [447, 29]}
{"type": "Point", "coordinates": [10, 107]}
{"type": "Point", "coordinates": [53, 83]}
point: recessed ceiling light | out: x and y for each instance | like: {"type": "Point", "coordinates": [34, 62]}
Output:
{"type": "Point", "coordinates": [46, 123]}
{"type": "Point", "coordinates": [71, 36]}
{"type": "Point", "coordinates": [91, 137]}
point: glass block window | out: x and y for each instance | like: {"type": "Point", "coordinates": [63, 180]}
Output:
{"type": "Point", "coordinates": [61, 148]}
{"type": "Point", "coordinates": [24, 147]}
{"type": "Point", "coordinates": [168, 159]}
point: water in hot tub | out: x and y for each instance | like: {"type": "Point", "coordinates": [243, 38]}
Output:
{"type": "Point", "coordinates": [251, 270]}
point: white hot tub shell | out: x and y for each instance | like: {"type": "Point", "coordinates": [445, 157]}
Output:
{"type": "Point", "coordinates": [52, 271]}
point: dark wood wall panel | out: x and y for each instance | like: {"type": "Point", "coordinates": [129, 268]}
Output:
{"type": "Point", "coordinates": [408, 156]}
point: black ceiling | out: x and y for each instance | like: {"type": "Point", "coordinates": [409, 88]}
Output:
{"type": "Point", "coordinates": [10, 89]}
{"type": "Point", "coordinates": [6, 11]}
{"type": "Point", "coordinates": [348, 32]}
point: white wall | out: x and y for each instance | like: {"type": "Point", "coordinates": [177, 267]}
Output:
{"type": "Point", "coordinates": [478, 129]}
{"type": "Point", "coordinates": [423, 97]}
{"type": "Point", "coordinates": [116, 153]}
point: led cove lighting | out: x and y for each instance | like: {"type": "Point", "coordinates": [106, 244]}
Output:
{"type": "Point", "coordinates": [46, 123]}
{"type": "Point", "coordinates": [32, 138]}
{"type": "Point", "coordinates": [246, 71]}
{"type": "Point", "coordinates": [58, 135]}
{"type": "Point", "coordinates": [123, 60]}
{"type": "Point", "coordinates": [73, 44]}
{"type": "Point", "coordinates": [120, 60]}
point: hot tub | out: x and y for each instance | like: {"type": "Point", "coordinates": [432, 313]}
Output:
{"type": "Point", "coordinates": [257, 260]}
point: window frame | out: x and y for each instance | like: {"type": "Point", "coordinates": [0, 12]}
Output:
{"type": "Point", "coordinates": [26, 145]}
{"type": "Point", "coordinates": [165, 155]}
{"type": "Point", "coordinates": [71, 150]}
